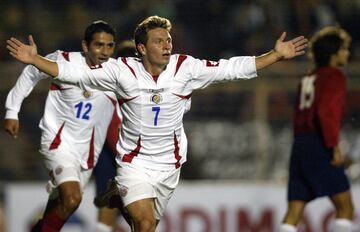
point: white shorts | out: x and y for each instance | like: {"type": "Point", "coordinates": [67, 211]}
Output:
{"type": "Point", "coordinates": [136, 183]}
{"type": "Point", "coordinates": [63, 167]}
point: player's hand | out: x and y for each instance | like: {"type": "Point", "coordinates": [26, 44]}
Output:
{"type": "Point", "coordinates": [289, 49]}
{"type": "Point", "coordinates": [348, 162]}
{"type": "Point", "coordinates": [12, 127]}
{"type": "Point", "coordinates": [22, 52]}
{"type": "Point", "coordinates": [338, 158]}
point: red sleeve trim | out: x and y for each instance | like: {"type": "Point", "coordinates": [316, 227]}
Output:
{"type": "Point", "coordinates": [54, 87]}
{"type": "Point", "coordinates": [183, 96]}
{"type": "Point", "coordinates": [113, 101]}
{"type": "Point", "coordinates": [123, 59]}
{"type": "Point", "coordinates": [179, 62]}
{"type": "Point", "coordinates": [66, 56]}
{"type": "Point", "coordinates": [122, 101]}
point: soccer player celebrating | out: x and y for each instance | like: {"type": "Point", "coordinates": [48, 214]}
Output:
{"type": "Point", "coordinates": [73, 128]}
{"type": "Point", "coordinates": [154, 93]}
{"type": "Point", "coordinates": [316, 165]}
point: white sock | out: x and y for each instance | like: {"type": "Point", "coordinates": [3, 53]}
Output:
{"type": "Point", "coordinates": [342, 225]}
{"type": "Point", "coordinates": [101, 227]}
{"type": "Point", "coordinates": [287, 228]}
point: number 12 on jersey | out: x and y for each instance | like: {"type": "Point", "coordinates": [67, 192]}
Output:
{"type": "Point", "coordinates": [79, 108]}
{"type": "Point", "coordinates": [156, 109]}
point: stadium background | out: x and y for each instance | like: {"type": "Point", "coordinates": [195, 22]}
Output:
{"type": "Point", "coordinates": [237, 131]}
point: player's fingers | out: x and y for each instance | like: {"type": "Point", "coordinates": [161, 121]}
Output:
{"type": "Point", "coordinates": [10, 131]}
{"type": "Point", "coordinates": [31, 40]}
{"type": "Point", "coordinates": [12, 44]}
{"type": "Point", "coordinates": [299, 53]}
{"type": "Point", "coordinates": [298, 39]}
{"type": "Point", "coordinates": [337, 162]}
{"type": "Point", "coordinates": [300, 42]}
{"type": "Point", "coordinates": [15, 131]}
{"type": "Point", "coordinates": [11, 49]}
{"type": "Point", "coordinates": [15, 135]}
{"type": "Point", "coordinates": [16, 41]}
{"type": "Point", "coordinates": [13, 55]}
{"type": "Point", "coordinates": [282, 36]}
{"type": "Point", "coordinates": [300, 48]}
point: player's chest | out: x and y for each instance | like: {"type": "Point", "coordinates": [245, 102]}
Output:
{"type": "Point", "coordinates": [74, 94]}
{"type": "Point", "coordinates": [147, 85]}
{"type": "Point", "coordinates": [165, 93]}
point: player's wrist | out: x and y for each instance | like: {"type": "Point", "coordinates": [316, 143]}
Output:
{"type": "Point", "coordinates": [277, 55]}
{"type": "Point", "coordinates": [36, 60]}
{"type": "Point", "coordinates": [11, 114]}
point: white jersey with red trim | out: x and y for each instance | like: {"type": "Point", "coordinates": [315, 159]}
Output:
{"type": "Point", "coordinates": [152, 133]}
{"type": "Point", "coordinates": [74, 120]}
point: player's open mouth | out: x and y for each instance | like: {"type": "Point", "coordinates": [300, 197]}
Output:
{"type": "Point", "coordinates": [103, 59]}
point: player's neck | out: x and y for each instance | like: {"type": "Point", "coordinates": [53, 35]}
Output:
{"type": "Point", "coordinates": [89, 62]}
{"type": "Point", "coordinates": [335, 61]}
{"type": "Point", "coordinates": [153, 69]}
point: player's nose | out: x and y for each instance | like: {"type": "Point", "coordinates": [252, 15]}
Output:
{"type": "Point", "coordinates": [106, 52]}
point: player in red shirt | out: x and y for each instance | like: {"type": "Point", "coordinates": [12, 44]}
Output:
{"type": "Point", "coordinates": [317, 164]}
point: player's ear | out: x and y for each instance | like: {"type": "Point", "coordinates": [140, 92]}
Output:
{"type": "Point", "coordinates": [141, 49]}
{"type": "Point", "coordinates": [84, 46]}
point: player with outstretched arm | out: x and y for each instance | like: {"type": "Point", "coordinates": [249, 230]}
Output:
{"type": "Point", "coordinates": [154, 91]}
{"type": "Point", "coordinates": [74, 127]}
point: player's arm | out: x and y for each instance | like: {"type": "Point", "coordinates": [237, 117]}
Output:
{"type": "Point", "coordinates": [338, 158]}
{"type": "Point", "coordinates": [64, 71]}
{"type": "Point", "coordinates": [242, 67]}
{"type": "Point", "coordinates": [330, 114]}
{"type": "Point", "coordinates": [12, 126]}
{"type": "Point", "coordinates": [24, 85]}
{"type": "Point", "coordinates": [28, 54]}
{"type": "Point", "coordinates": [283, 50]}
{"type": "Point", "coordinates": [204, 72]}
{"type": "Point", "coordinates": [26, 82]}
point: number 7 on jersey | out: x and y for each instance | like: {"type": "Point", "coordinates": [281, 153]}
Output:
{"type": "Point", "coordinates": [156, 109]}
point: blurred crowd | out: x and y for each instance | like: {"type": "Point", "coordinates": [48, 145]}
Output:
{"type": "Point", "coordinates": [203, 28]}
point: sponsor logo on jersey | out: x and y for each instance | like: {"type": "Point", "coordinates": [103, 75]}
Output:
{"type": "Point", "coordinates": [155, 90]}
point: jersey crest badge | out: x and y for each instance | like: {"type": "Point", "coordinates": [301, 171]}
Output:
{"type": "Point", "coordinates": [156, 98]}
{"type": "Point", "coordinates": [87, 94]}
